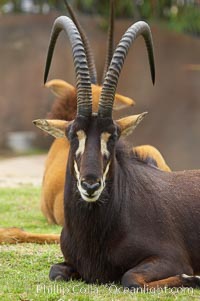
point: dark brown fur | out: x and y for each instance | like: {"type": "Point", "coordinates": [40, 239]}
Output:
{"type": "Point", "coordinates": [54, 174]}
{"type": "Point", "coordinates": [144, 226]}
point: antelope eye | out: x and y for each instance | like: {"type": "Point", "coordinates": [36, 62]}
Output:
{"type": "Point", "coordinates": [114, 136]}
{"type": "Point", "coordinates": [74, 142]}
{"type": "Point", "coordinates": [71, 135]}
{"type": "Point", "coordinates": [74, 138]}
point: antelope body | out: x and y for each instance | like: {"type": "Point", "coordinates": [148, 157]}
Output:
{"type": "Point", "coordinates": [124, 219]}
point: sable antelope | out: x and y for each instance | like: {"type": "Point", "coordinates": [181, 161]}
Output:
{"type": "Point", "coordinates": [124, 219]}
{"type": "Point", "coordinates": [65, 108]}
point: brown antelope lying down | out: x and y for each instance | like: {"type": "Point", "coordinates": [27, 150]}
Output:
{"type": "Point", "coordinates": [65, 108]}
{"type": "Point", "coordinates": [124, 219]}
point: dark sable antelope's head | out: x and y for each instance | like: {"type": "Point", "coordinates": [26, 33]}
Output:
{"type": "Point", "coordinates": [93, 135]}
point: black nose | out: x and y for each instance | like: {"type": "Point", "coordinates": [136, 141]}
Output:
{"type": "Point", "coordinates": [90, 187]}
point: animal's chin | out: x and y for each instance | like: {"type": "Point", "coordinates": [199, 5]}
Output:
{"type": "Point", "coordinates": [90, 199]}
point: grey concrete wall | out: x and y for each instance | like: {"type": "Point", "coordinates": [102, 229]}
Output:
{"type": "Point", "coordinates": [173, 123]}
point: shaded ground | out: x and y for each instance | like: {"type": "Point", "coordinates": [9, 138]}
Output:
{"type": "Point", "coordinates": [20, 171]}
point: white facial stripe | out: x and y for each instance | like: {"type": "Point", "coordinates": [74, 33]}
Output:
{"type": "Point", "coordinates": [83, 192]}
{"type": "Point", "coordinates": [105, 172]}
{"type": "Point", "coordinates": [104, 139]}
{"type": "Point", "coordinates": [81, 138]}
{"type": "Point", "coordinates": [77, 171]}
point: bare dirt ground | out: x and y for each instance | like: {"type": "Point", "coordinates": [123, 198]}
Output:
{"type": "Point", "coordinates": [20, 171]}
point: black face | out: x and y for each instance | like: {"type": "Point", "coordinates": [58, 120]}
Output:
{"type": "Point", "coordinates": [92, 143]}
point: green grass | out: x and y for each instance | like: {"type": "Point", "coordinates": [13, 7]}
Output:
{"type": "Point", "coordinates": [24, 268]}
{"type": "Point", "coordinates": [20, 208]}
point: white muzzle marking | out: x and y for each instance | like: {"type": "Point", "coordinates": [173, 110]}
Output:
{"type": "Point", "coordinates": [83, 192]}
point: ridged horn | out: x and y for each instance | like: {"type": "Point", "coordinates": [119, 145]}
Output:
{"type": "Point", "coordinates": [88, 50]}
{"type": "Point", "coordinates": [112, 76]}
{"type": "Point", "coordinates": [83, 82]}
{"type": "Point", "coordinates": [110, 40]}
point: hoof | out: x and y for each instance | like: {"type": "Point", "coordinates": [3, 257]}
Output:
{"type": "Point", "coordinates": [129, 283]}
{"type": "Point", "coordinates": [61, 272]}
{"type": "Point", "coordinates": [191, 281]}
{"type": "Point", "coordinates": [58, 278]}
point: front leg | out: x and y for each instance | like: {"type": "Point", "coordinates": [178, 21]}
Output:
{"type": "Point", "coordinates": [63, 271]}
{"type": "Point", "coordinates": [160, 273]}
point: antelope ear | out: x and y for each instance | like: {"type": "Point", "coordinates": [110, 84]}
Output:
{"type": "Point", "coordinates": [60, 88]}
{"type": "Point", "coordinates": [55, 128]}
{"type": "Point", "coordinates": [122, 102]}
{"type": "Point", "coordinates": [128, 124]}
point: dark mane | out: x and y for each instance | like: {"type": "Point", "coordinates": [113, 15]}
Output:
{"type": "Point", "coordinates": [123, 149]}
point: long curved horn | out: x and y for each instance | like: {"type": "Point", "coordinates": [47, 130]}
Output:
{"type": "Point", "coordinates": [110, 40]}
{"type": "Point", "coordinates": [88, 50]}
{"type": "Point", "coordinates": [83, 82]}
{"type": "Point", "coordinates": [112, 76]}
